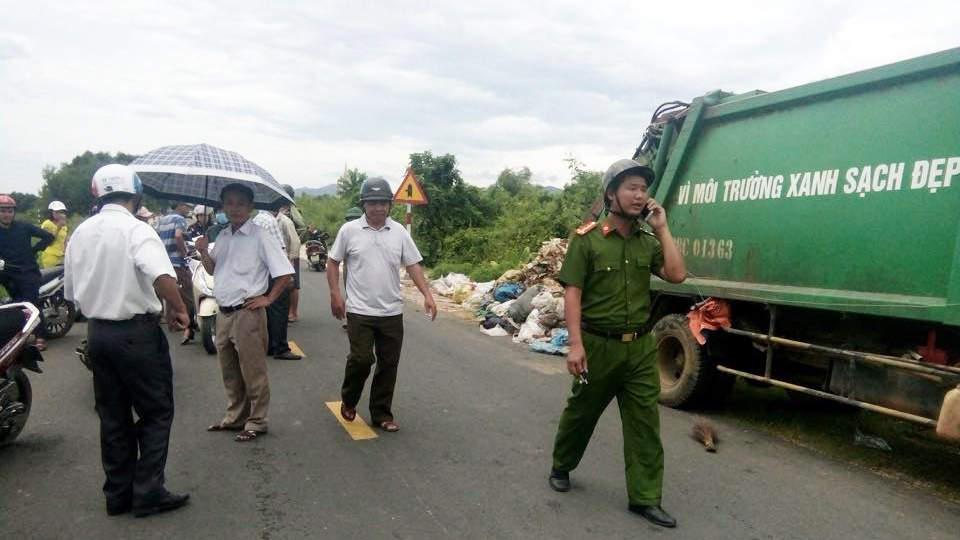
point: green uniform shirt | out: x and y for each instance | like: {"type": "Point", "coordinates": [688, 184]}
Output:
{"type": "Point", "coordinates": [614, 274]}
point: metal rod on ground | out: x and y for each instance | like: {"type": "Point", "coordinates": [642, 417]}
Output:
{"type": "Point", "coordinates": [834, 397]}
{"type": "Point", "coordinates": [866, 357]}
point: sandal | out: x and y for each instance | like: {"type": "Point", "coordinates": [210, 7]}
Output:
{"type": "Point", "coordinates": [248, 435]}
{"type": "Point", "coordinates": [348, 413]}
{"type": "Point", "coordinates": [221, 427]}
{"type": "Point", "coordinates": [389, 426]}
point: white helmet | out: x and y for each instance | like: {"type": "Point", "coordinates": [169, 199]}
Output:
{"type": "Point", "coordinates": [57, 206]}
{"type": "Point", "coordinates": [201, 209]}
{"type": "Point", "coordinates": [115, 178]}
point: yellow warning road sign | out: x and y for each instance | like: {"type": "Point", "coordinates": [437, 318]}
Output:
{"type": "Point", "coordinates": [410, 191]}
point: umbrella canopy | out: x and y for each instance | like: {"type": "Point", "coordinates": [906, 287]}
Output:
{"type": "Point", "coordinates": [197, 172]}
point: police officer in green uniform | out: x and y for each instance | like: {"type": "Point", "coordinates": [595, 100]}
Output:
{"type": "Point", "coordinates": [606, 278]}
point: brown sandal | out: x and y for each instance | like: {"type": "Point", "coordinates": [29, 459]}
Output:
{"type": "Point", "coordinates": [348, 413]}
{"type": "Point", "coordinates": [389, 426]}
{"type": "Point", "coordinates": [248, 435]}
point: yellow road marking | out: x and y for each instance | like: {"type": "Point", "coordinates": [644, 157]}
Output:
{"type": "Point", "coordinates": [358, 429]}
{"type": "Point", "coordinates": [295, 348]}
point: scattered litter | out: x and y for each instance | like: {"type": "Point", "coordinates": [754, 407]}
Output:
{"type": "Point", "coordinates": [451, 283]}
{"type": "Point", "coordinates": [547, 347]}
{"type": "Point", "coordinates": [521, 309]}
{"type": "Point", "coordinates": [507, 291]}
{"type": "Point", "coordinates": [530, 330]}
{"type": "Point", "coordinates": [870, 441]}
{"type": "Point", "coordinates": [501, 309]}
{"type": "Point", "coordinates": [560, 337]}
{"type": "Point", "coordinates": [496, 331]}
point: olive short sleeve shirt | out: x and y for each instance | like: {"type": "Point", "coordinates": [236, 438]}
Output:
{"type": "Point", "coordinates": [613, 274]}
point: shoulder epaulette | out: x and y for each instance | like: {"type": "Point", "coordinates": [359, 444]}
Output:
{"type": "Point", "coordinates": [586, 227]}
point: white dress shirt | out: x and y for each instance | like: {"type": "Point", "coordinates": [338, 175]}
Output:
{"type": "Point", "coordinates": [373, 259]}
{"type": "Point", "coordinates": [111, 262]}
{"type": "Point", "coordinates": [244, 261]}
{"type": "Point", "coordinates": [268, 221]}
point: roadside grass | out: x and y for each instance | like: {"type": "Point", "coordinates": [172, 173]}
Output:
{"type": "Point", "coordinates": [918, 457]}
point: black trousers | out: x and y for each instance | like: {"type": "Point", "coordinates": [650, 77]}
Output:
{"type": "Point", "coordinates": [373, 339]}
{"type": "Point", "coordinates": [25, 287]}
{"type": "Point", "coordinates": [278, 314]}
{"type": "Point", "coordinates": [132, 373]}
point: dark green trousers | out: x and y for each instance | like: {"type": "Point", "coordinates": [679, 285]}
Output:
{"type": "Point", "coordinates": [373, 340]}
{"type": "Point", "coordinates": [628, 372]}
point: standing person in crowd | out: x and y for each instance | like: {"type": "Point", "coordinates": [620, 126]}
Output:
{"type": "Point", "coordinates": [172, 229]}
{"type": "Point", "coordinates": [300, 226]}
{"type": "Point", "coordinates": [20, 274]}
{"type": "Point", "coordinates": [55, 224]}
{"type": "Point", "coordinates": [220, 222]}
{"type": "Point", "coordinates": [606, 279]}
{"type": "Point", "coordinates": [292, 240]}
{"type": "Point", "coordinates": [202, 215]}
{"type": "Point", "coordinates": [145, 215]}
{"type": "Point", "coordinates": [278, 311]}
{"type": "Point", "coordinates": [374, 248]}
{"type": "Point", "coordinates": [116, 268]}
{"type": "Point", "coordinates": [242, 261]}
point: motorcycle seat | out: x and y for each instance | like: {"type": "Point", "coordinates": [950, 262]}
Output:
{"type": "Point", "coordinates": [11, 322]}
{"type": "Point", "coordinates": [49, 274]}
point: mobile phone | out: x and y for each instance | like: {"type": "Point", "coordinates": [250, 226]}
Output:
{"type": "Point", "coordinates": [645, 213]}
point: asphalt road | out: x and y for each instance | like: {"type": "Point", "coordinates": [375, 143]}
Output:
{"type": "Point", "coordinates": [478, 416]}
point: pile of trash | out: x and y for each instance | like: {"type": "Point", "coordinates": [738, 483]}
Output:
{"type": "Point", "coordinates": [525, 303]}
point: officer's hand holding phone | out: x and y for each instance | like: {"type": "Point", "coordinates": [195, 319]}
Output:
{"type": "Point", "coordinates": [577, 360]}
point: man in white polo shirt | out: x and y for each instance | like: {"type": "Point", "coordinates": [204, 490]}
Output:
{"type": "Point", "coordinates": [115, 268]}
{"type": "Point", "coordinates": [374, 248]}
{"type": "Point", "coordinates": [242, 261]}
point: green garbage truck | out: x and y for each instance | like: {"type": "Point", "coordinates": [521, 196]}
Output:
{"type": "Point", "coordinates": [825, 221]}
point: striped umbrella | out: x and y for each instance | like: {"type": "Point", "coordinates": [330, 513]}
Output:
{"type": "Point", "coordinates": [197, 172]}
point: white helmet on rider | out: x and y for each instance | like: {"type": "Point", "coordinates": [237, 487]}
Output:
{"type": "Point", "coordinates": [57, 206]}
{"type": "Point", "coordinates": [115, 178]}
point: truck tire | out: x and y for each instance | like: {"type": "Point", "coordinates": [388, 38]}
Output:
{"type": "Point", "coordinates": [207, 333]}
{"type": "Point", "coordinates": [688, 377]}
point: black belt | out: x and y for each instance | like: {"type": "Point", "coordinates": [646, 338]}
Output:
{"type": "Point", "coordinates": [625, 336]}
{"type": "Point", "coordinates": [231, 309]}
{"type": "Point", "coordinates": [140, 317]}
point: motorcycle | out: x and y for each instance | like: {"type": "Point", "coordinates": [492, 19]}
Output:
{"type": "Point", "coordinates": [58, 313]}
{"type": "Point", "coordinates": [206, 305]}
{"type": "Point", "coordinates": [316, 254]}
{"type": "Point", "coordinates": [17, 322]}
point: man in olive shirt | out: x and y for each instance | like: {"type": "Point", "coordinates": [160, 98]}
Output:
{"type": "Point", "coordinates": [606, 275]}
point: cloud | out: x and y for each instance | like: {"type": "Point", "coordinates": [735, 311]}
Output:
{"type": "Point", "coordinates": [305, 87]}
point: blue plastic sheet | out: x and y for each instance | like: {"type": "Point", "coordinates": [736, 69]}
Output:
{"type": "Point", "coordinates": [507, 291]}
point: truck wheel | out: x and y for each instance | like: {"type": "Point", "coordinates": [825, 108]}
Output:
{"type": "Point", "coordinates": [688, 377]}
{"type": "Point", "coordinates": [208, 333]}
{"type": "Point", "coordinates": [23, 394]}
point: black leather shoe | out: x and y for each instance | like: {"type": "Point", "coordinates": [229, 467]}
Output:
{"type": "Point", "coordinates": [117, 509]}
{"type": "Point", "coordinates": [559, 480]}
{"type": "Point", "coordinates": [164, 504]}
{"type": "Point", "coordinates": [654, 514]}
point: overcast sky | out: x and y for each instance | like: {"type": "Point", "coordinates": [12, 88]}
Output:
{"type": "Point", "coordinates": [306, 87]}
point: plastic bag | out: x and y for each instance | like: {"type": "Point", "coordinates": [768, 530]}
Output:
{"type": "Point", "coordinates": [530, 330]}
{"type": "Point", "coordinates": [521, 309]}
{"type": "Point", "coordinates": [507, 291]}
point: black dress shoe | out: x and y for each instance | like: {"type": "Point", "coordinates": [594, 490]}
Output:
{"type": "Point", "coordinates": [164, 504]}
{"type": "Point", "coordinates": [654, 514]}
{"type": "Point", "coordinates": [559, 480]}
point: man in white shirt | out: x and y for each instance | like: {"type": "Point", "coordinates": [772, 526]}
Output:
{"type": "Point", "coordinates": [115, 269]}
{"type": "Point", "coordinates": [242, 261]}
{"type": "Point", "coordinates": [374, 248]}
{"type": "Point", "coordinates": [292, 238]}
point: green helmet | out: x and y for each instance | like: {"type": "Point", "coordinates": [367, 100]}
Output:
{"type": "Point", "coordinates": [353, 214]}
{"type": "Point", "coordinates": [375, 189]}
{"type": "Point", "coordinates": [623, 167]}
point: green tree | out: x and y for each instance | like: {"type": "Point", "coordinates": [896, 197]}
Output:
{"type": "Point", "coordinates": [453, 206]}
{"type": "Point", "coordinates": [25, 201]}
{"type": "Point", "coordinates": [513, 181]}
{"type": "Point", "coordinates": [70, 182]}
{"type": "Point", "coordinates": [348, 186]}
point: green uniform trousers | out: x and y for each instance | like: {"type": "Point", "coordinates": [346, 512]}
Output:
{"type": "Point", "coordinates": [627, 371]}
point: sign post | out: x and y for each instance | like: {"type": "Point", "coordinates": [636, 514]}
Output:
{"type": "Point", "coordinates": [411, 193]}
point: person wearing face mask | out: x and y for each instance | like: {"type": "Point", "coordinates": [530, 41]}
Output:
{"type": "Point", "coordinates": [606, 278]}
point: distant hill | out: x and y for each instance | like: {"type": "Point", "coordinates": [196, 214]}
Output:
{"type": "Point", "coordinates": [329, 189]}
{"type": "Point", "coordinates": [552, 190]}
